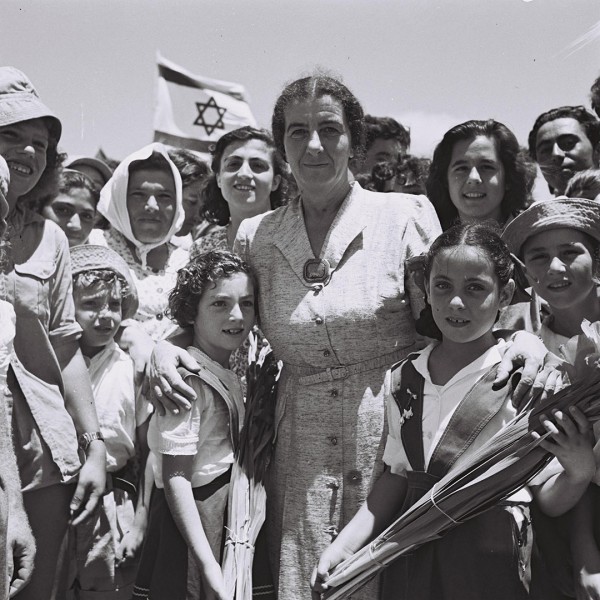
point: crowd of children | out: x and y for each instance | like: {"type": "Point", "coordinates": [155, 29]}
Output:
{"type": "Point", "coordinates": [119, 501]}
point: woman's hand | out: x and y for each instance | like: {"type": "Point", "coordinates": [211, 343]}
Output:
{"type": "Point", "coordinates": [138, 344]}
{"type": "Point", "coordinates": [213, 587]}
{"type": "Point", "coordinates": [332, 557]}
{"type": "Point", "coordinates": [571, 440]}
{"type": "Point", "coordinates": [91, 483]}
{"type": "Point", "coordinates": [540, 375]}
{"type": "Point", "coordinates": [167, 389]}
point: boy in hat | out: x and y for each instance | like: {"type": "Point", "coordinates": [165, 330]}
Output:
{"type": "Point", "coordinates": [102, 549]}
{"type": "Point", "coordinates": [558, 243]}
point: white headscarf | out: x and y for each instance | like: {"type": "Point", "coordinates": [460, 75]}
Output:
{"type": "Point", "coordinates": [113, 200]}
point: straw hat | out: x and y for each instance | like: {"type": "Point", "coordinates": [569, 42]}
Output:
{"type": "Point", "coordinates": [19, 101]}
{"type": "Point", "coordinates": [570, 213]}
{"type": "Point", "coordinates": [88, 257]}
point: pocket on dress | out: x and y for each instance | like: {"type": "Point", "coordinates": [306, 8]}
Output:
{"type": "Point", "coordinates": [32, 282]}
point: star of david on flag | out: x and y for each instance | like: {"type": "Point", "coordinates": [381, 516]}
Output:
{"type": "Point", "coordinates": [193, 111]}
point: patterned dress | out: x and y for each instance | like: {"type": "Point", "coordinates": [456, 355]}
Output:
{"type": "Point", "coordinates": [331, 427]}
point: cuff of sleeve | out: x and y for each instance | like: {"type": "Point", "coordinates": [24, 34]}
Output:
{"type": "Point", "coordinates": [184, 446]}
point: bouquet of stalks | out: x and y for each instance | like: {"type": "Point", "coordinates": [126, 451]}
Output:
{"type": "Point", "coordinates": [247, 496]}
{"type": "Point", "coordinates": [498, 469]}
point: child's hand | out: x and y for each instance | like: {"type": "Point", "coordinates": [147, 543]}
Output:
{"type": "Point", "coordinates": [571, 440]}
{"type": "Point", "coordinates": [213, 584]}
{"type": "Point", "coordinates": [332, 557]}
{"type": "Point", "coordinates": [129, 546]}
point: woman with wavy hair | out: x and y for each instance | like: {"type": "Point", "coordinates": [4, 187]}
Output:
{"type": "Point", "coordinates": [477, 174]}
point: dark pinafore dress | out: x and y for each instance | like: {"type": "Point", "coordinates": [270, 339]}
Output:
{"type": "Point", "coordinates": [478, 559]}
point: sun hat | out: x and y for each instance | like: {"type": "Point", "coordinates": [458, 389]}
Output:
{"type": "Point", "coordinates": [19, 101]}
{"type": "Point", "coordinates": [88, 257]}
{"type": "Point", "coordinates": [89, 161]}
{"type": "Point", "coordinates": [559, 213]}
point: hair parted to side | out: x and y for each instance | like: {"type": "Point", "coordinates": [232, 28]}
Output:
{"type": "Point", "coordinates": [74, 180]}
{"type": "Point", "coordinates": [215, 207]}
{"type": "Point", "coordinates": [507, 146]}
{"type": "Point", "coordinates": [197, 276]}
{"type": "Point", "coordinates": [190, 166]}
{"type": "Point", "coordinates": [477, 235]}
{"type": "Point", "coordinates": [589, 122]}
{"type": "Point", "coordinates": [316, 86]}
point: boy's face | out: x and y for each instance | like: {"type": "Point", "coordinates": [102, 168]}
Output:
{"type": "Point", "coordinates": [151, 200]}
{"type": "Point", "coordinates": [560, 266]}
{"type": "Point", "coordinates": [98, 312]}
{"type": "Point", "coordinates": [225, 317]}
{"type": "Point", "coordinates": [74, 213]}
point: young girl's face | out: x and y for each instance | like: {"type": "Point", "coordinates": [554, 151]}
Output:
{"type": "Point", "coordinates": [24, 146]}
{"type": "Point", "coordinates": [247, 177]}
{"type": "Point", "coordinates": [98, 312]}
{"type": "Point", "coordinates": [465, 294]}
{"type": "Point", "coordinates": [476, 179]}
{"type": "Point", "coordinates": [226, 314]}
{"type": "Point", "coordinates": [560, 266]}
{"type": "Point", "coordinates": [74, 212]}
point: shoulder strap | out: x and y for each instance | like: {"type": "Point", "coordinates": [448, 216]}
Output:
{"type": "Point", "coordinates": [473, 413]}
{"type": "Point", "coordinates": [221, 389]}
{"type": "Point", "coordinates": [407, 391]}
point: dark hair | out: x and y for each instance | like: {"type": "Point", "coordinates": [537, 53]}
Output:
{"type": "Point", "coordinates": [589, 122]}
{"type": "Point", "coordinates": [317, 86]}
{"type": "Point", "coordinates": [215, 207]}
{"type": "Point", "coordinates": [385, 128]}
{"type": "Point", "coordinates": [584, 184]}
{"type": "Point", "coordinates": [595, 96]}
{"type": "Point", "coordinates": [155, 162]}
{"type": "Point", "coordinates": [190, 166]}
{"type": "Point", "coordinates": [47, 185]}
{"type": "Point", "coordinates": [478, 235]}
{"type": "Point", "coordinates": [382, 172]}
{"type": "Point", "coordinates": [515, 172]}
{"type": "Point", "coordinates": [197, 276]}
{"type": "Point", "coordinates": [71, 180]}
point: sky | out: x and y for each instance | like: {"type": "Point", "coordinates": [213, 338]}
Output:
{"type": "Point", "coordinates": [430, 64]}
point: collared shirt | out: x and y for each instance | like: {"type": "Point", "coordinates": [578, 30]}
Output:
{"type": "Point", "coordinates": [203, 431]}
{"type": "Point", "coordinates": [439, 404]}
{"type": "Point", "coordinates": [39, 286]}
{"type": "Point", "coordinates": [120, 410]}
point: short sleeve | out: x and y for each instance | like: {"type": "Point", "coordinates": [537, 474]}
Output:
{"type": "Point", "coordinates": [422, 229]}
{"type": "Point", "coordinates": [394, 454]}
{"type": "Point", "coordinates": [179, 434]}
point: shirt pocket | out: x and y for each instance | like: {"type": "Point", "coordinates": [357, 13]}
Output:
{"type": "Point", "coordinates": [32, 289]}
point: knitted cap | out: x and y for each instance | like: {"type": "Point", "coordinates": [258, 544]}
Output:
{"type": "Point", "coordinates": [569, 213]}
{"type": "Point", "coordinates": [19, 101]}
{"type": "Point", "coordinates": [88, 257]}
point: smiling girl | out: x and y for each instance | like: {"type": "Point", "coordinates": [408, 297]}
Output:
{"type": "Point", "coordinates": [215, 295]}
{"type": "Point", "coordinates": [436, 399]}
{"type": "Point", "coordinates": [477, 174]}
{"type": "Point", "coordinates": [49, 387]}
